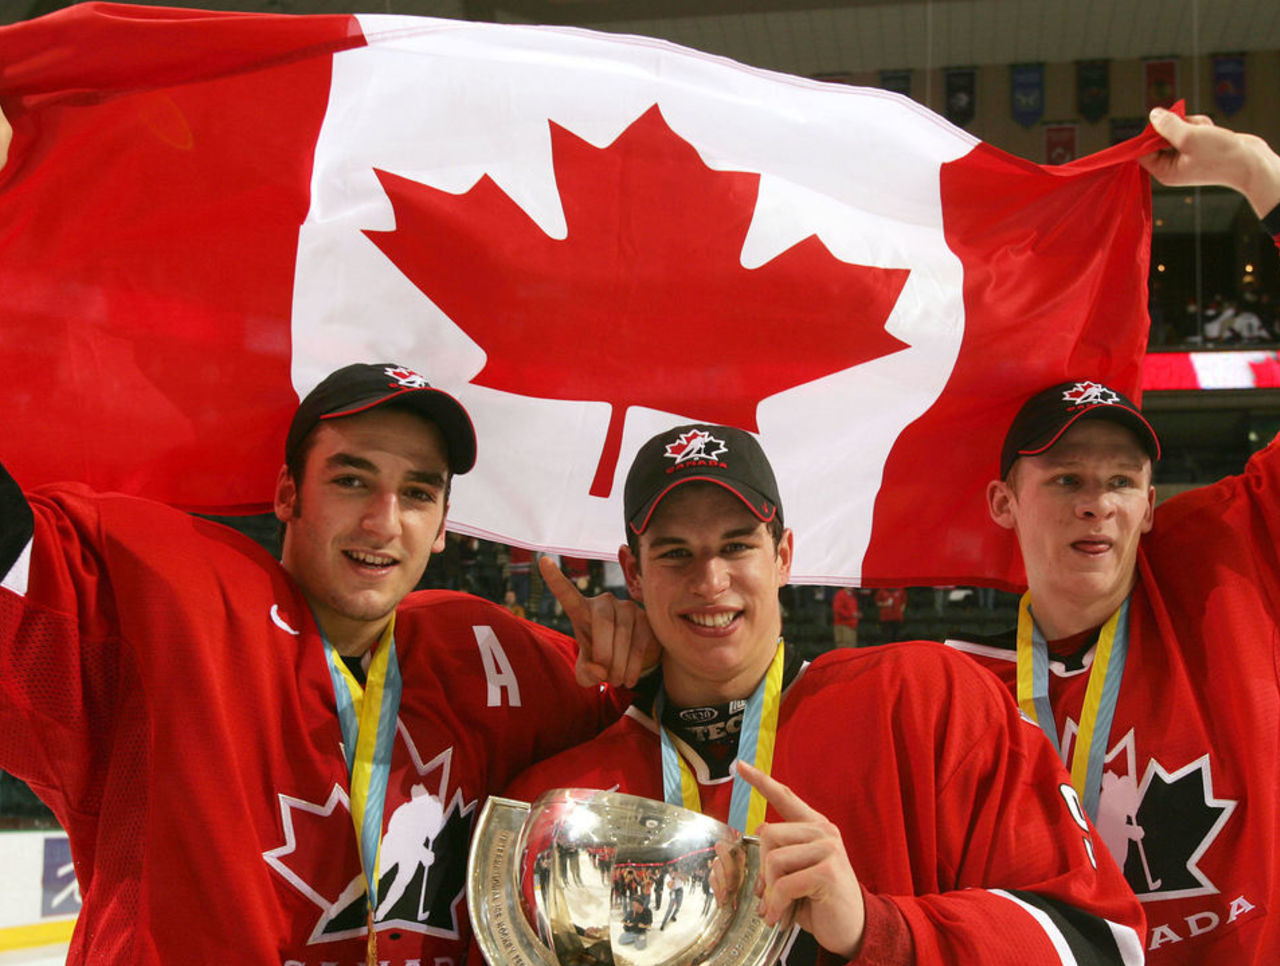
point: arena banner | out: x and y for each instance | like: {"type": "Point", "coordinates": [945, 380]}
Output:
{"type": "Point", "coordinates": [1160, 80]}
{"type": "Point", "coordinates": [1026, 93]}
{"type": "Point", "coordinates": [961, 92]}
{"type": "Point", "coordinates": [1059, 143]}
{"type": "Point", "coordinates": [1229, 82]}
{"type": "Point", "coordinates": [585, 237]}
{"type": "Point", "coordinates": [1093, 89]}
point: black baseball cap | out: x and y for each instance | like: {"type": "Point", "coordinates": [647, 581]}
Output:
{"type": "Point", "coordinates": [363, 386]}
{"type": "Point", "coordinates": [699, 453]}
{"type": "Point", "coordinates": [1051, 412]}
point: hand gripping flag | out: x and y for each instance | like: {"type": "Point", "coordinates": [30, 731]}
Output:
{"type": "Point", "coordinates": [586, 238]}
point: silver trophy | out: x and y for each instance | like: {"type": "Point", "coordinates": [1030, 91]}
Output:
{"type": "Point", "coordinates": [584, 877]}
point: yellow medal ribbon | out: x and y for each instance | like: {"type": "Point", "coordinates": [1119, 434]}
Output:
{"type": "Point", "coordinates": [368, 716]}
{"type": "Point", "coordinates": [1100, 698]}
{"type": "Point", "coordinates": [758, 737]}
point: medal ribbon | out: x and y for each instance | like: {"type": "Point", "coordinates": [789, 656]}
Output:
{"type": "Point", "coordinates": [758, 737]}
{"type": "Point", "coordinates": [368, 718]}
{"type": "Point", "coordinates": [1101, 694]}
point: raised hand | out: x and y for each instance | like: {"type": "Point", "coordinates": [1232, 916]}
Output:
{"type": "Point", "coordinates": [615, 643]}
{"type": "Point", "coordinates": [6, 135]}
{"type": "Point", "coordinates": [1201, 153]}
{"type": "Point", "coordinates": [804, 863]}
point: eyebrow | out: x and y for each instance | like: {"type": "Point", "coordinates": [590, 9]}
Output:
{"type": "Point", "coordinates": [1067, 460]}
{"type": "Point", "coordinates": [733, 534]}
{"type": "Point", "coordinates": [351, 461]}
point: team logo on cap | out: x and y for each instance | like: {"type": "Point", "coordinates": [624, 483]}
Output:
{"type": "Point", "coordinates": [697, 444]}
{"type": "Point", "coordinates": [1090, 394]}
{"type": "Point", "coordinates": [406, 377]}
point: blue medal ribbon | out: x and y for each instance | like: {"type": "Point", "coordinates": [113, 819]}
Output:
{"type": "Point", "coordinates": [758, 738]}
{"type": "Point", "coordinates": [1101, 696]}
{"type": "Point", "coordinates": [367, 716]}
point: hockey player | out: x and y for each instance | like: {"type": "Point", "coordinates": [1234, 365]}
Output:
{"type": "Point", "coordinates": [226, 737]}
{"type": "Point", "coordinates": [1147, 646]}
{"type": "Point", "coordinates": [912, 815]}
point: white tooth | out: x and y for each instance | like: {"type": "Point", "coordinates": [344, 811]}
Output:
{"type": "Point", "coordinates": [712, 620]}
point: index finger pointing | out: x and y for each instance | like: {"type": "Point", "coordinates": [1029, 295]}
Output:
{"type": "Point", "coordinates": [790, 806]}
{"type": "Point", "coordinates": [574, 604]}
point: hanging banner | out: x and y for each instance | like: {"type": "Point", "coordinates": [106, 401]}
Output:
{"type": "Point", "coordinates": [1093, 89]}
{"type": "Point", "coordinates": [962, 96]}
{"type": "Point", "coordinates": [1228, 82]}
{"type": "Point", "coordinates": [1059, 143]}
{"type": "Point", "coordinates": [1026, 93]}
{"type": "Point", "coordinates": [1160, 81]}
{"type": "Point", "coordinates": [898, 81]}
{"type": "Point", "coordinates": [1124, 128]}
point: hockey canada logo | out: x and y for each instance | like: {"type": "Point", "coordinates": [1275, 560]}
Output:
{"type": "Point", "coordinates": [697, 444]}
{"type": "Point", "coordinates": [1159, 824]}
{"type": "Point", "coordinates": [406, 377]}
{"type": "Point", "coordinates": [422, 859]}
{"type": "Point", "coordinates": [1090, 394]}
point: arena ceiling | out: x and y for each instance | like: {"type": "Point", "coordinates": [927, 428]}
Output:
{"type": "Point", "coordinates": [811, 36]}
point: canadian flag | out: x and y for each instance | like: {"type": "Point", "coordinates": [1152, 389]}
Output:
{"type": "Point", "coordinates": [585, 238]}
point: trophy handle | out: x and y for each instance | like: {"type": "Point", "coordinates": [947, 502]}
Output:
{"type": "Point", "coordinates": [504, 935]}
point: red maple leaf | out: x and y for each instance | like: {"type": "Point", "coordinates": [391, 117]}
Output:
{"type": "Point", "coordinates": [308, 856]}
{"type": "Point", "coordinates": [645, 302]}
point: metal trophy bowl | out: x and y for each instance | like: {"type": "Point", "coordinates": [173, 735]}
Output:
{"type": "Point", "coordinates": [586, 877]}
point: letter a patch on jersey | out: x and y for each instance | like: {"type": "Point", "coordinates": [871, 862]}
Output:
{"type": "Point", "coordinates": [497, 669]}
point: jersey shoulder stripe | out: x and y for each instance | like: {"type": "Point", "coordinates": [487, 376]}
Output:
{"type": "Point", "coordinates": [17, 526]}
{"type": "Point", "coordinates": [1079, 938]}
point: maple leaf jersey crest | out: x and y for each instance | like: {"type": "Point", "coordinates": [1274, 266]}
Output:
{"type": "Point", "coordinates": [1090, 394]}
{"type": "Point", "coordinates": [1159, 824]}
{"type": "Point", "coordinates": [422, 859]}
{"type": "Point", "coordinates": [697, 444]}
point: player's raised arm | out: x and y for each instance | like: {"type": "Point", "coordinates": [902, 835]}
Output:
{"type": "Point", "coordinates": [615, 643]}
{"type": "Point", "coordinates": [1201, 153]}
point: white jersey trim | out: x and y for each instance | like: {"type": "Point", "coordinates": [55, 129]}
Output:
{"type": "Point", "coordinates": [18, 575]}
{"type": "Point", "coordinates": [1128, 942]}
{"type": "Point", "coordinates": [989, 651]}
{"type": "Point", "coordinates": [1060, 944]}
{"type": "Point", "coordinates": [982, 650]}
{"type": "Point", "coordinates": [1126, 939]}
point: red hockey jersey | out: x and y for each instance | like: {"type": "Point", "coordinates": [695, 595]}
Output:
{"type": "Point", "coordinates": [1192, 776]}
{"type": "Point", "coordinates": [165, 690]}
{"type": "Point", "coordinates": [951, 806]}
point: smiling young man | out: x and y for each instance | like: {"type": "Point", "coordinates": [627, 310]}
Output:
{"type": "Point", "coordinates": [1147, 645]}
{"type": "Point", "coordinates": [236, 745]}
{"type": "Point", "coordinates": [905, 809]}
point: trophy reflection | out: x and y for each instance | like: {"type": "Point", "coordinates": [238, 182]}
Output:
{"type": "Point", "coordinates": [585, 877]}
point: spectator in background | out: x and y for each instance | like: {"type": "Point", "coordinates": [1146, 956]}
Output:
{"type": "Point", "coordinates": [892, 602]}
{"type": "Point", "coordinates": [845, 614]}
{"type": "Point", "coordinates": [510, 602]}
{"type": "Point", "coordinates": [519, 571]}
{"type": "Point", "coordinates": [578, 570]}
